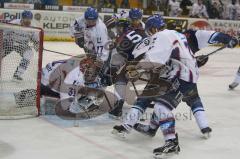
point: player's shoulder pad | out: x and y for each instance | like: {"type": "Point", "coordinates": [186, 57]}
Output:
{"type": "Point", "coordinates": [101, 24]}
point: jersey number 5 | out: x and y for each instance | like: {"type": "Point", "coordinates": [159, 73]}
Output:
{"type": "Point", "coordinates": [135, 38]}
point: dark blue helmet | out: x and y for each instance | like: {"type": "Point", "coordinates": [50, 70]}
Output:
{"type": "Point", "coordinates": [154, 21]}
{"type": "Point", "coordinates": [91, 14]}
{"type": "Point", "coordinates": [135, 13]}
{"type": "Point", "coordinates": [26, 14]}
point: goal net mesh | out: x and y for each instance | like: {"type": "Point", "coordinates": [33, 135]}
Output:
{"type": "Point", "coordinates": [20, 71]}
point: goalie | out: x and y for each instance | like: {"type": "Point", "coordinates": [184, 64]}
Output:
{"type": "Point", "coordinates": [20, 43]}
{"type": "Point", "coordinates": [69, 79]}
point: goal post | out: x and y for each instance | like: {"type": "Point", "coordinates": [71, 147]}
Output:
{"type": "Point", "coordinates": [21, 51]}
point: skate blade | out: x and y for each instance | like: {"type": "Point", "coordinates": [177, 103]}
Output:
{"type": "Point", "coordinates": [206, 135]}
{"type": "Point", "coordinates": [232, 86]}
{"type": "Point", "coordinates": [118, 134]}
{"type": "Point", "coordinates": [16, 80]}
{"type": "Point", "coordinates": [144, 134]}
{"type": "Point", "coordinates": [164, 155]}
{"type": "Point", "coordinates": [114, 117]}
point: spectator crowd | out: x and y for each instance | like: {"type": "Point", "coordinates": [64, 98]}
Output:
{"type": "Point", "coordinates": [213, 9]}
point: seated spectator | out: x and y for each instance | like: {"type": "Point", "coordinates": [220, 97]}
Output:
{"type": "Point", "coordinates": [175, 9]}
{"type": "Point", "coordinates": [81, 2]}
{"type": "Point", "coordinates": [199, 10]}
{"type": "Point", "coordinates": [232, 10]}
{"type": "Point", "coordinates": [162, 6]}
{"type": "Point", "coordinates": [49, 2]}
{"type": "Point", "coordinates": [106, 4]}
{"type": "Point", "coordinates": [151, 6]}
{"type": "Point", "coordinates": [214, 11]}
{"type": "Point", "coordinates": [221, 9]}
{"type": "Point", "coordinates": [185, 5]}
{"type": "Point", "coordinates": [125, 4]}
{"type": "Point", "coordinates": [34, 1]}
{"type": "Point", "coordinates": [110, 4]}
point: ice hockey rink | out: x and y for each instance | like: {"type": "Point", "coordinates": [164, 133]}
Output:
{"type": "Point", "coordinates": [48, 137]}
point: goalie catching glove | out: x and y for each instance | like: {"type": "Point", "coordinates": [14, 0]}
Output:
{"type": "Point", "coordinates": [201, 60]}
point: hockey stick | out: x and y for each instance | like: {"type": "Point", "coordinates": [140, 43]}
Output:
{"type": "Point", "coordinates": [143, 79]}
{"type": "Point", "coordinates": [221, 48]}
{"type": "Point", "coordinates": [135, 89]}
{"type": "Point", "coordinates": [106, 97]}
{"type": "Point", "coordinates": [214, 52]}
{"type": "Point", "coordinates": [57, 52]}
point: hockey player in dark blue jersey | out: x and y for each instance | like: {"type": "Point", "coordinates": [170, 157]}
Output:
{"type": "Point", "coordinates": [198, 39]}
{"type": "Point", "coordinates": [128, 37]}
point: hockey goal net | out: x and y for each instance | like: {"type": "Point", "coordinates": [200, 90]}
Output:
{"type": "Point", "coordinates": [20, 71]}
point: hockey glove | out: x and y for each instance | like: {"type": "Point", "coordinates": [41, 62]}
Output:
{"type": "Point", "coordinates": [201, 60]}
{"type": "Point", "coordinates": [232, 43]}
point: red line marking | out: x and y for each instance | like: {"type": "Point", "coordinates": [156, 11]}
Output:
{"type": "Point", "coordinates": [102, 147]}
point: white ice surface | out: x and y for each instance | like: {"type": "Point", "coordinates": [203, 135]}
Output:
{"type": "Point", "coordinates": [52, 138]}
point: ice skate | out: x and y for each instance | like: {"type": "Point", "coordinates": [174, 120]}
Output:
{"type": "Point", "coordinates": [233, 85]}
{"type": "Point", "coordinates": [17, 78]}
{"type": "Point", "coordinates": [170, 148]}
{"type": "Point", "coordinates": [206, 132]}
{"type": "Point", "coordinates": [120, 131]}
{"type": "Point", "coordinates": [116, 113]}
{"type": "Point", "coordinates": [145, 129]}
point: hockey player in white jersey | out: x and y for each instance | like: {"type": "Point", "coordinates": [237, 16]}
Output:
{"type": "Point", "coordinates": [66, 79]}
{"type": "Point", "coordinates": [90, 33]}
{"type": "Point", "coordinates": [236, 81]}
{"type": "Point", "coordinates": [169, 49]}
{"type": "Point", "coordinates": [135, 16]}
{"type": "Point", "coordinates": [26, 19]}
{"type": "Point", "coordinates": [19, 42]}
{"type": "Point", "coordinates": [199, 39]}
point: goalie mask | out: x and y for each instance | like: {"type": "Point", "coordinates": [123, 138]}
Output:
{"type": "Point", "coordinates": [90, 69]}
